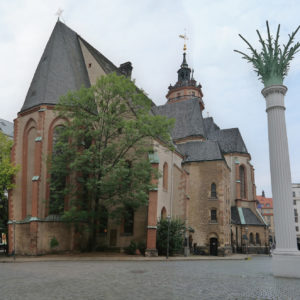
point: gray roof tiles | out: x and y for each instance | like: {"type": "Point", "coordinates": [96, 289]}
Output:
{"type": "Point", "coordinates": [200, 151]}
{"type": "Point", "coordinates": [249, 216]}
{"type": "Point", "coordinates": [189, 121]}
{"type": "Point", "coordinates": [61, 69]}
{"type": "Point", "coordinates": [7, 128]}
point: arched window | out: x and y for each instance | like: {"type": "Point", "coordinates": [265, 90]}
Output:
{"type": "Point", "coordinates": [251, 238]}
{"type": "Point", "coordinates": [163, 213]}
{"type": "Point", "coordinates": [213, 190]}
{"type": "Point", "coordinates": [58, 175]}
{"type": "Point", "coordinates": [213, 216]}
{"type": "Point", "coordinates": [165, 176]}
{"type": "Point", "coordinates": [257, 239]}
{"type": "Point", "coordinates": [243, 182]}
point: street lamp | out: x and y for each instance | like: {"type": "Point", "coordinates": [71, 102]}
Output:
{"type": "Point", "coordinates": [168, 237]}
{"type": "Point", "coordinates": [246, 229]}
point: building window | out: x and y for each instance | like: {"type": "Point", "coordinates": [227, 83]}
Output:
{"type": "Point", "coordinates": [213, 215]}
{"type": "Point", "coordinates": [294, 194]}
{"type": "Point", "coordinates": [129, 221]}
{"type": "Point", "coordinates": [243, 182]}
{"type": "Point", "coordinates": [165, 176]}
{"type": "Point", "coordinates": [295, 202]}
{"type": "Point", "coordinates": [163, 213]}
{"type": "Point", "coordinates": [295, 212]}
{"type": "Point", "coordinates": [296, 219]}
{"type": "Point", "coordinates": [251, 238]}
{"type": "Point", "coordinates": [257, 239]}
{"type": "Point", "coordinates": [297, 228]}
{"type": "Point", "coordinates": [267, 205]}
{"type": "Point", "coordinates": [213, 190]}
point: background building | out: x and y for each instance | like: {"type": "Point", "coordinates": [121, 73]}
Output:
{"type": "Point", "coordinates": [265, 205]}
{"type": "Point", "coordinates": [7, 128]}
{"type": "Point", "coordinates": [296, 202]}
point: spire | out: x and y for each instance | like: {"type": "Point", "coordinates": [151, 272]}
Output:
{"type": "Point", "coordinates": [184, 63]}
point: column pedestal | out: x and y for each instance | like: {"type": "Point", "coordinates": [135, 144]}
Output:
{"type": "Point", "coordinates": [286, 257]}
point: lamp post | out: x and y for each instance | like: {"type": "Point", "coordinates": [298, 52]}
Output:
{"type": "Point", "coordinates": [168, 237]}
{"type": "Point", "coordinates": [14, 222]}
{"type": "Point", "coordinates": [246, 229]}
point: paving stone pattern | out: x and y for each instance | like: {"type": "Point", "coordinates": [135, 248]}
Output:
{"type": "Point", "coordinates": [145, 280]}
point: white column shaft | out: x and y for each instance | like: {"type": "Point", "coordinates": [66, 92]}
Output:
{"type": "Point", "coordinates": [285, 232]}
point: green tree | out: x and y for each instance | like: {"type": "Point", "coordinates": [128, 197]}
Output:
{"type": "Point", "coordinates": [7, 171]}
{"type": "Point", "coordinates": [100, 158]}
{"type": "Point", "coordinates": [272, 63]}
{"type": "Point", "coordinates": [176, 236]}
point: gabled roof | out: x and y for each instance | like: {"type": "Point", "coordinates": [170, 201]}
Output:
{"type": "Point", "coordinates": [7, 128]}
{"type": "Point", "coordinates": [189, 121]}
{"type": "Point", "coordinates": [61, 69]}
{"type": "Point", "coordinates": [200, 151]}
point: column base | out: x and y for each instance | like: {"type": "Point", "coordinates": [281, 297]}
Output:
{"type": "Point", "coordinates": [286, 263]}
{"type": "Point", "coordinates": [151, 252]}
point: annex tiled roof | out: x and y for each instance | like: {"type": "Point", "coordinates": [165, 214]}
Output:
{"type": "Point", "coordinates": [7, 128]}
{"type": "Point", "coordinates": [245, 216]}
{"type": "Point", "coordinates": [188, 116]}
{"type": "Point", "coordinates": [200, 151]}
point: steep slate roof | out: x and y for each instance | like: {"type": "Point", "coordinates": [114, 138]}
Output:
{"type": "Point", "coordinates": [62, 68]}
{"type": "Point", "coordinates": [189, 121]}
{"type": "Point", "coordinates": [7, 128]}
{"type": "Point", "coordinates": [200, 151]}
{"type": "Point", "coordinates": [245, 216]}
{"type": "Point", "coordinates": [230, 140]}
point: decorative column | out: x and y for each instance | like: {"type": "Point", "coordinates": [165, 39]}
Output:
{"type": "Point", "coordinates": [286, 257]}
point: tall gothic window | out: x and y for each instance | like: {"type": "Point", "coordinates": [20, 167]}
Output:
{"type": "Point", "coordinates": [58, 178]}
{"type": "Point", "coordinates": [251, 238]}
{"type": "Point", "coordinates": [103, 219]}
{"type": "Point", "coordinates": [257, 239]}
{"type": "Point", "coordinates": [165, 176]}
{"type": "Point", "coordinates": [243, 182]}
{"type": "Point", "coordinates": [213, 190]}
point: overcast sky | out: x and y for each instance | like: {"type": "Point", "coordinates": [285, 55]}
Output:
{"type": "Point", "coordinates": [146, 33]}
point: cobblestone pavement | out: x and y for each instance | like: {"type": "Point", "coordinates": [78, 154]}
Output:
{"type": "Point", "coordinates": [216, 279]}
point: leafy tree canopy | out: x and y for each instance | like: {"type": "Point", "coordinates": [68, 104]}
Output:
{"type": "Point", "coordinates": [273, 62]}
{"type": "Point", "coordinates": [100, 157]}
{"type": "Point", "coordinates": [7, 171]}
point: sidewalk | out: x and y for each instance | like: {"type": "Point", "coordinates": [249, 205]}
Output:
{"type": "Point", "coordinates": [102, 256]}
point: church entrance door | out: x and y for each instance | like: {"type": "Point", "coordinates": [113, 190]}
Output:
{"type": "Point", "coordinates": [214, 246]}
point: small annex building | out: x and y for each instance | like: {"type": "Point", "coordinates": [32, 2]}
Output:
{"type": "Point", "coordinates": [208, 181]}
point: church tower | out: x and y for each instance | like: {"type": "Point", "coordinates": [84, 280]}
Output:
{"type": "Point", "coordinates": [186, 86]}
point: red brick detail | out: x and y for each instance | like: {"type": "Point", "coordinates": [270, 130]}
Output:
{"type": "Point", "coordinates": [152, 216]}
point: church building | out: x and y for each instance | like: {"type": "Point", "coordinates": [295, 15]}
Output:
{"type": "Point", "coordinates": [207, 181]}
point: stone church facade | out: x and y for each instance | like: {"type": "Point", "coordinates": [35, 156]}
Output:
{"type": "Point", "coordinates": [207, 181]}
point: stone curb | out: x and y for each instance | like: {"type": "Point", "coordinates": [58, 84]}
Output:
{"type": "Point", "coordinates": [23, 259]}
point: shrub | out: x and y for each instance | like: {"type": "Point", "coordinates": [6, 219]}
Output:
{"type": "Point", "coordinates": [131, 249]}
{"type": "Point", "coordinates": [176, 232]}
{"type": "Point", "coordinates": [142, 247]}
{"type": "Point", "coordinates": [54, 242]}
